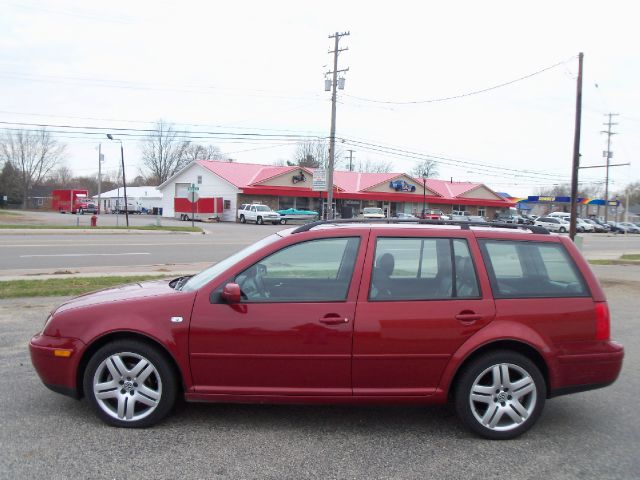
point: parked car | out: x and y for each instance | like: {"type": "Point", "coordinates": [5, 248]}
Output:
{"type": "Point", "coordinates": [349, 313]}
{"type": "Point", "coordinates": [259, 214]}
{"type": "Point", "coordinates": [629, 227]}
{"type": "Point", "coordinates": [602, 223]}
{"type": "Point", "coordinates": [404, 216]}
{"type": "Point", "coordinates": [596, 226]}
{"type": "Point", "coordinates": [553, 224]}
{"type": "Point", "coordinates": [564, 215]}
{"type": "Point", "coordinates": [506, 219]}
{"type": "Point", "coordinates": [434, 215]}
{"type": "Point", "coordinates": [373, 212]}
{"type": "Point", "coordinates": [477, 219]}
{"type": "Point", "coordinates": [616, 227]}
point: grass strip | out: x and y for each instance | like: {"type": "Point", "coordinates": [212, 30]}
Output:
{"type": "Point", "coordinates": [58, 287]}
{"type": "Point", "coordinates": [630, 256]}
{"type": "Point", "coordinates": [86, 227]}
{"type": "Point", "coordinates": [613, 262]}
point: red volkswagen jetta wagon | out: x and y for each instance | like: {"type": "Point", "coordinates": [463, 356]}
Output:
{"type": "Point", "coordinates": [494, 319]}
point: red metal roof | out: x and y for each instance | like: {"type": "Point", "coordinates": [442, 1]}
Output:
{"type": "Point", "coordinates": [247, 176]}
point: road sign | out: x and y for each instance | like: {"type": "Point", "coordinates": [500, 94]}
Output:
{"type": "Point", "coordinates": [319, 183]}
{"type": "Point", "coordinates": [193, 196]}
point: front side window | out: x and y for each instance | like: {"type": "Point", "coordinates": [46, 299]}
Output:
{"type": "Point", "coordinates": [313, 271]}
{"type": "Point", "coordinates": [531, 269]}
{"type": "Point", "coordinates": [422, 269]}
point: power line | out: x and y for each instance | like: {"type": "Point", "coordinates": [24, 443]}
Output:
{"type": "Point", "coordinates": [462, 95]}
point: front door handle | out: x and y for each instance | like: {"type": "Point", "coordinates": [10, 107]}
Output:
{"type": "Point", "coordinates": [333, 319]}
{"type": "Point", "coordinates": [468, 316]}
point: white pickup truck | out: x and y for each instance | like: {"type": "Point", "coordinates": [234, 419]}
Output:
{"type": "Point", "coordinates": [260, 214]}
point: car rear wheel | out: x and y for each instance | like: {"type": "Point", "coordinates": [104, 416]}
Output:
{"type": "Point", "coordinates": [130, 384]}
{"type": "Point", "coordinates": [500, 395]}
{"type": "Point", "coordinates": [283, 221]}
{"type": "Point", "coordinates": [562, 230]}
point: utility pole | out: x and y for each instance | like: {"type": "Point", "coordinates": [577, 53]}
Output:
{"type": "Point", "coordinates": [99, 175]}
{"type": "Point", "coordinates": [576, 152]}
{"type": "Point", "coordinates": [350, 160]}
{"type": "Point", "coordinates": [332, 136]}
{"type": "Point", "coordinates": [608, 154]}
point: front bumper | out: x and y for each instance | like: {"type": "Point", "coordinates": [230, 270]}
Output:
{"type": "Point", "coordinates": [582, 369]}
{"type": "Point", "coordinates": [56, 361]}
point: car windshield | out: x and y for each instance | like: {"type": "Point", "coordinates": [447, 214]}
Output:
{"type": "Point", "coordinates": [205, 276]}
{"type": "Point", "coordinates": [373, 210]}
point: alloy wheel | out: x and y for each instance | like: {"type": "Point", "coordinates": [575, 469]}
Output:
{"type": "Point", "coordinates": [127, 386]}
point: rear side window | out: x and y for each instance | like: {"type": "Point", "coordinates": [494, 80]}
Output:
{"type": "Point", "coordinates": [531, 269]}
{"type": "Point", "coordinates": [422, 269]}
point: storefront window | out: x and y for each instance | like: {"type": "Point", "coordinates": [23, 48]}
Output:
{"type": "Point", "coordinates": [302, 203]}
{"type": "Point", "coordinates": [286, 202]}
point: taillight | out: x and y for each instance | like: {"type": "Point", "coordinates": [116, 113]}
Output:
{"type": "Point", "coordinates": [603, 321]}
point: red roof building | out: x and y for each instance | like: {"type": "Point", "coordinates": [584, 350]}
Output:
{"type": "Point", "coordinates": [291, 187]}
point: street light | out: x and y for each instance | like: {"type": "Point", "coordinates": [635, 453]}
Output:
{"type": "Point", "coordinates": [424, 194]}
{"type": "Point", "coordinates": [124, 181]}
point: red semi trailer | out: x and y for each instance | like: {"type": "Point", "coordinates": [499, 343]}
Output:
{"type": "Point", "coordinates": [202, 209]}
{"type": "Point", "coordinates": [72, 201]}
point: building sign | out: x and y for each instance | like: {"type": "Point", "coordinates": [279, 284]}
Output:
{"type": "Point", "coordinates": [298, 178]}
{"type": "Point", "coordinates": [550, 199]}
{"type": "Point", "coordinates": [402, 186]}
{"type": "Point", "coordinates": [319, 183]}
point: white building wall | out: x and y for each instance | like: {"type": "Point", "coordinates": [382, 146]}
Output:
{"type": "Point", "coordinates": [211, 186]}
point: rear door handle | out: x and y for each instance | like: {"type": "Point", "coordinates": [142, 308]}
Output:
{"type": "Point", "coordinates": [333, 319]}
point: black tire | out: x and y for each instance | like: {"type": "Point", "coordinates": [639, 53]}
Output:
{"type": "Point", "coordinates": [500, 405]}
{"type": "Point", "coordinates": [562, 230]}
{"type": "Point", "coordinates": [81, 211]}
{"type": "Point", "coordinates": [242, 219]}
{"type": "Point", "coordinates": [259, 221]}
{"type": "Point", "coordinates": [159, 380]}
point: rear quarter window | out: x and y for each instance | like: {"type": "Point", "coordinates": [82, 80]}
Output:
{"type": "Point", "coordinates": [519, 269]}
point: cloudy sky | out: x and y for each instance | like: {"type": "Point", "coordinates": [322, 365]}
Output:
{"type": "Point", "coordinates": [251, 75]}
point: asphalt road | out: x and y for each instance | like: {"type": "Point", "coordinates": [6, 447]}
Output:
{"type": "Point", "coordinates": [38, 252]}
{"type": "Point", "coordinates": [45, 435]}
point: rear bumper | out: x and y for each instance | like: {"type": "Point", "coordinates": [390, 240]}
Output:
{"type": "Point", "coordinates": [578, 372]}
{"type": "Point", "coordinates": [57, 372]}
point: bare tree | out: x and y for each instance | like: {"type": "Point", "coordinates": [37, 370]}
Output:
{"type": "Point", "coordinates": [427, 168]}
{"type": "Point", "coordinates": [164, 152]}
{"type": "Point", "coordinates": [369, 166]}
{"type": "Point", "coordinates": [315, 154]}
{"type": "Point", "coordinates": [33, 154]}
{"type": "Point", "coordinates": [61, 176]}
{"type": "Point", "coordinates": [196, 151]}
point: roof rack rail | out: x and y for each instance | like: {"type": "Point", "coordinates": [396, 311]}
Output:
{"type": "Point", "coordinates": [464, 225]}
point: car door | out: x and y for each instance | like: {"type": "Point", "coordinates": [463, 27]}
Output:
{"type": "Point", "coordinates": [292, 332]}
{"type": "Point", "coordinates": [420, 298]}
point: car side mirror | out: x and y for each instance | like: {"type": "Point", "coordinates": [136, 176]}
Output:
{"type": "Point", "coordinates": [231, 293]}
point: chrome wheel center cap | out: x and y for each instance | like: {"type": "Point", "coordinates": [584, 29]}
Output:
{"type": "Point", "coordinates": [502, 397]}
{"type": "Point", "coordinates": [128, 385]}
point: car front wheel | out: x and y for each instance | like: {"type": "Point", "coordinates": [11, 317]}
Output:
{"type": "Point", "coordinates": [500, 395]}
{"type": "Point", "coordinates": [259, 221]}
{"type": "Point", "coordinates": [242, 219]}
{"type": "Point", "coordinates": [130, 384]}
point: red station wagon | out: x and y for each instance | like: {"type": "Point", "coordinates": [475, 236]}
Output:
{"type": "Point", "coordinates": [495, 319]}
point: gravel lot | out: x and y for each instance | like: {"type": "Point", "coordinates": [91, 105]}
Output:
{"type": "Point", "coordinates": [590, 435]}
